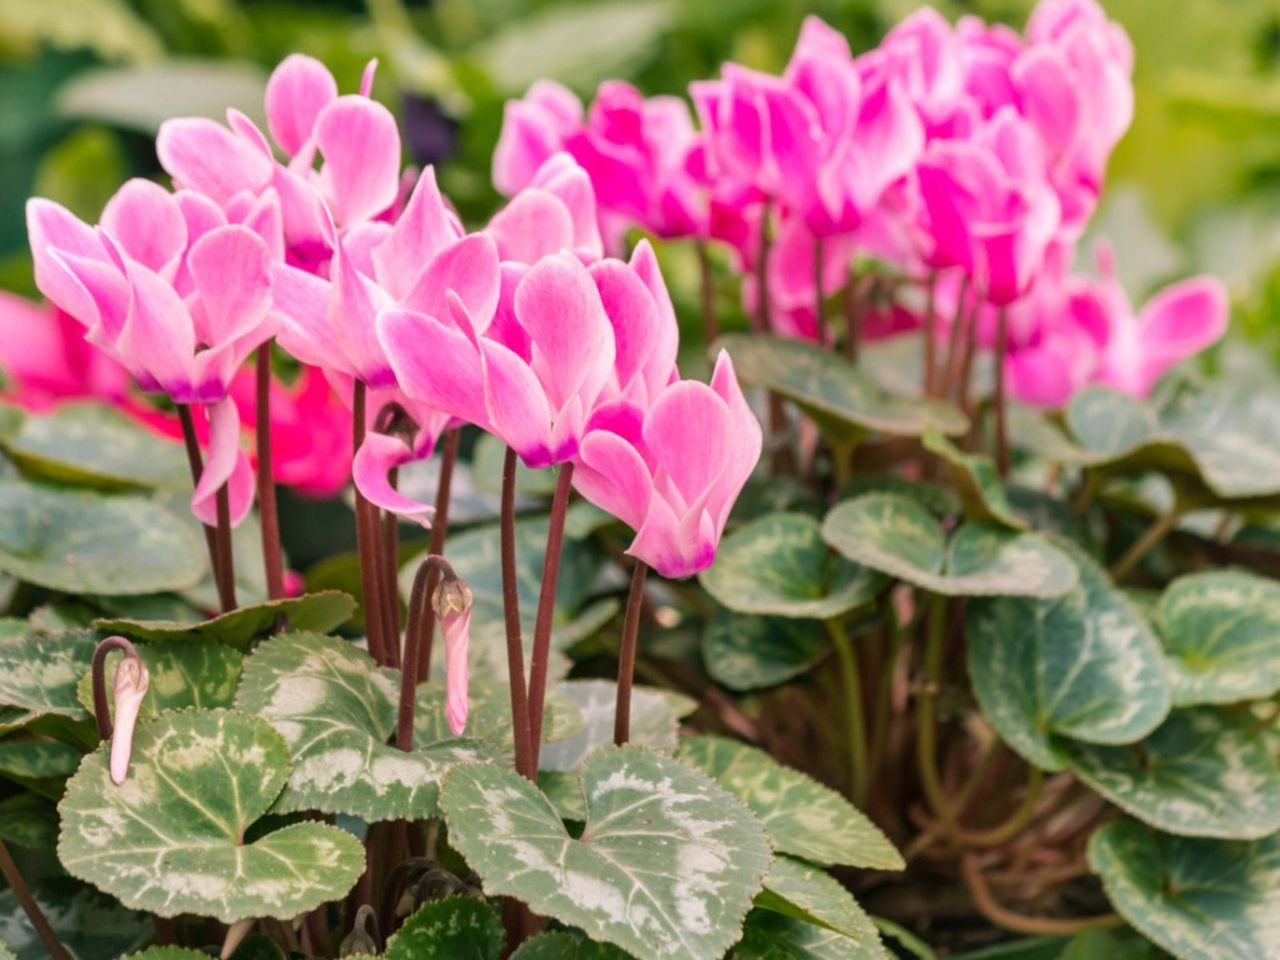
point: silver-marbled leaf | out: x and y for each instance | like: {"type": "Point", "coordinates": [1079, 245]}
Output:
{"type": "Point", "coordinates": [805, 892]}
{"type": "Point", "coordinates": [90, 924]}
{"type": "Point", "coordinates": [746, 652]}
{"type": "Point", "coordinates": [181, 675]}
{"type": "Point", "coordinates": [769, 935]}
{"type": "Point", "coordinates": [976, 480]}
{"type": "Point", "coordinates": [39, 672]}
{"type": "Point", "coordinates": [455, 928]}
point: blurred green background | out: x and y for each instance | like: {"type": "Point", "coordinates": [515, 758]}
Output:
{"type": "Point", "coordinates": [1195, 186]}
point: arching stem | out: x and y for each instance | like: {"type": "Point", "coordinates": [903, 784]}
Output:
{"type": "Point", "coordinates": [541, 658]}
{"type": "Point", "coordinates": [627, 654]}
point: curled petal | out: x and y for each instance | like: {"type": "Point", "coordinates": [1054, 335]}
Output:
{"type": "Point", "coordinates": [225, 463]}
{"type": "Point", "coordinates": [435, 363]}
{"type": "Point", "coordinates": [532, 226]}
{"type": "Point", "coordinates": [377, 457]}
{"type": "Point", "coordinates": [468, 269]}
{"type": "Point", "coordinates": [147, 224]}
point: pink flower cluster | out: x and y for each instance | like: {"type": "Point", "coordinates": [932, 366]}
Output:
{"type": "Point", "coordinates": [523, 328]}
{"type": "Point", "coordinates": [970, 152]}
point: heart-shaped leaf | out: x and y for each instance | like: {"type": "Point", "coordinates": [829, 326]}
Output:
{"type": "Point", "coordinates": [800, 890]}
{"type": "Point", "coordinates": [1221, 632]}
{"type": "Point", "coordinates": [567, 946]}
{"type": "Point", "coordinates": [840, 398]}
{"type": "Point", "coordinates": [182, 675]}
{"type": "Point", "coordinates": [26, 759]}
{"type": "Point", "coordinates": [90, 924]}
{"type": "Point", "coordinates": [28, 821]}
{"type": "Point", "coordinates": [977, 480]}
{"type": "Point", "coordinates": [803, 817]}
{"type": "Point", "coordinates": [769, 935]}
{"type": "Point", "coordinates": [899, 536]}
{"type": "Point", "coordinates": [39, 672]}
{"type": "Point", "coordinates": [1085, 665]}
{"type": "Point", "coordinates": [1203, 773]}
{"type": "Point", "coordinates": [746, 652]}
{"type": "Point", "coordinates": [89, 543]}
{"type": "Point", "coordinates": [1199, 899]}
{"type": "Point", "coordinates": [313, 612]}
{"type": "Point", "coordinates": [655, 721]}
{"type": "Point", "coordinates": [451, 929]}
{"type": "Point", "coordinates": [489, 715]}
{"type": "Point", "coordinates": [94, 445]}
{"type": "Point", "coordinates": [171, 838]}
{"type": "Point", "coordinates": [336, 709]}
{"type": "Point", "coordinates": [780, 565]}
{"type": "Point", "coordinates": [667, 865]}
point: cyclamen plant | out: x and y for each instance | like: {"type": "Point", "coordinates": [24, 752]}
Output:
{"type": "Point", "coordinates": [936, 594]}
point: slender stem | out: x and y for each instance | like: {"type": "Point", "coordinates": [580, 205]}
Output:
{"type": "Point", "coordinates": [1002, 414]}
{"type": "Point", "coordinates": [511, 611]}
{"type": "Point", "coordinates": [819, 300]}
{"type": "Point", "coordinates": [926, 733]}
{"type": "Point", "coordinates": [955, 342]}
{"type": "Point", "coordinates": [707, 289]}
{"type": "Point", "coordinates": [29, 906]}
{"type": "Point", "coordinates": [268, 515]}
{"type": "Point", "coordinates": [390, 582]}
{"type": "Point", "coordinates": [931, 334]}
{"type": "Point", "coordinates": [196, 462]}
{"type": "Point", "coordinates": [627, 654]}
{"type": "Point", "coordinates": [1020, 923]}
{"type": "Point", "coordinates": [1154, 534]}
{"type": "Point", "coordinates": [966, 358]}
{"type": "Point", "coordinates": [761, 318]}
{"type": "Point", "coordinates": [366, 541]}
{"type": "Point", "coordinates": [1013, 824]}
{"type": "Point", "coordinates": [101, 708]}
{"type": "Point", "coordinates": [439, 529]}
{"type": "Point", "coordinates": [541, 658]}
{"type": "Point", "coordinates": [852, 682]}
{"type": "Point", "coordinates": [420, 601]}
{"type": "Point", "coordinates": [226, 555]}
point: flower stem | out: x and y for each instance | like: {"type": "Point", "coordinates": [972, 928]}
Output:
{"type": "Point", "coordinates": [212, 536]}
{"type": "Point", "coordinates": [272, 559]}
{"type": "Point", "coordinates": [367, 542]}
{"type": "Point", "coordinates": [1020, 923]}
{"type": "Point", "coordinates": [540, 660]}
{"type": "Point", "coordinates": [819, 301]}
{"type": "Point", "coordinates": [857, 734]}
{"type": "Point", "coordinates": [439, 529]}
{"type": "Point", "coordinates": [29, 906]}
{"type": "Point", "coordinates": [931, 335]}
{"type": "Point", "coordinates": [926, 733]}
{"type": "Point", "coordinates": [420, 603]}
{"type": "Point", "coordinates": [1002, 414]}
{"type": "Point", "coordinates": [388, 571]}
{"type": "Point", "coordinates": [627, 654]}
{"type": "Point", "coordinates": [226, 555]}
{"type": "Point", "coordinates": [955, 344]}
{"type": "Point", "coordinates": [101, 709]}
{"type": "Point", "coordinates": [1143, 545]}
{"type": "Point", "coordinates": [511, 610]}
{"type": "Point", "coordinates": [707, 290]}
{"type": "Point", "coordinates": [852, 303]}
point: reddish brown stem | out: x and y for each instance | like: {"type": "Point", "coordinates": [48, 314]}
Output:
{"type": "Point", "coordinates": [216, 538]}
{"type": "Point", "coordinates": [439, 529]}
{"type": "Point", "coordinates": [931, 335]}
{"type": "Point", "coordinates": [1002, 437]}
{"type": "Point", "coordinates": [420, 602]}
{"type": "Point", "coordinates": [29, 906]}
{"type": "Point", "coordinates": [390, 542]}
{"type": "Point", "coordinates": [98, 671]}
{"type": "Point", "coordinates": [819, 300]}
{"type": "Point", "coordinates": [1020, 923]}
{"type": "Point", "coordinates": [541, 658]}
{"type": "Point", "coordinates": [272, 558]}
{"type": "Point", "coordinates": [627, 654]}
{"type": "Point", "coordinates": [367, 542]}
{"type": "Point", "coordinates": [511, 610]}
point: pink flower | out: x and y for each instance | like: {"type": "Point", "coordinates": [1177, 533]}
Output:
{"type": "Point", "coordinates": [534, 129]}
{"type": "Point", "coordinates": [129, 686]}
{"type": "Point", "coordinates": [177, 296]}
{"type": "Point", "coordinates": [556, 211]}
{"type": "Point", "coordinates": [672, 472]}
{"type": "Point", "coordinates": [452, 603]}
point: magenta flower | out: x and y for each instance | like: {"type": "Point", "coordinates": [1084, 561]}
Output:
{"type": "Point", "coordinates": [174, 294]}
{"type": "Point", "coordinates": [672, 472]}
{"type": "Point", "coordinates": [534, 129]}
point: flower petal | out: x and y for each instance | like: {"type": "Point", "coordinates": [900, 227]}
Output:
{"type": "Point", "coordinates": [377, 457]}
{"type": "Point", "coordinates": [225, 463]}
{"type": "Point", "coordinates": [206, 156]}
{"type": "Point", "coordinates": [361, 149]}
{"type": "Point", "coordinates": [299, 88]}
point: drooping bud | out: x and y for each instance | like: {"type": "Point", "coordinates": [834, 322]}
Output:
{"type": "Point", "coordinates": [129, 687]}
{"type": "Point", "coordinates": [452, 602]}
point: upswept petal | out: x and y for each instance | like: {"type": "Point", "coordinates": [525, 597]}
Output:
{"type": "Point", "coordinates": [203, 155]}
{"type": "Point", "coordinates": [687, 431]}
{"type": "Point", "coordinates": [468, 268]}
{"type": "Point", "coordinates": [147, 224]}
{"type": "Point", "coordinates": [231, 273]}
{"type": "Point", "coordinates": [435, 363]}
{"type": "Point", "coordinates": [361, 148]}
{"type": "Point", "coordinates": [354, 306]}
{"type": "Point", "coordinates": [611, 474]}
{"type": "Point", "coordinates": [299, 88]}
{"type": "Point", "coordinates": [422, 230]}
{"type": "Point", "coordinates": [534, 225]}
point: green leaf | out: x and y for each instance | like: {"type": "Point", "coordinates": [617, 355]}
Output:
{"type": "Point", "coordinates": [899, 536]}
{"type": "Point", "coordinates": [977, 480]}
{"type": "Point", "coordinates": [840, 398]}
{"type": "Point", "coordinates": [1203, 773]}
{"type": "Point", "coordinates": [88, 543]}
{"type": "Point", "coordinates": [93, 445]}
{"type": "Point", "coordinates": [170, 839]}
{"type": "Point", "coordinates": [313, 612]}
{"type": "Point", "coordinates": [773, 936]}
{"type": "Point", "coordinates": [655, 721]}
{"type": "Point", "coordinates": [801, 890]}
{"type": "Point", "coordinates": [1085, 666]}
{"type": "Point", "coordinates": [456, 928]}
{"type": "Point", "coordinates": [803, 817]}
{"type": "Point", "coordinates": [28, 820]}
{"type": "Point", "coordinates": [667, 865]}
{"type": "Point", "coordinates": [142, 97]}
{"type": "Point", "coordinates": [1199, 899]}
{"type": "Point", "coordinates": [1221, 632]}
{"type": "Point", "coordinates": [489, 715]}
{"type": "Point", "coordinates": [39, 672]}
{"type": "Point", "coordinates": [746, 652]}
{"type": "Point", "coordinates": [202, 675]}
{"type": "Point", "coordinates": [336, 710]}
{"type": "Point", "coordinates": [1035, 948]}
{"type": "Point", "coordinates": [246, 547]}
{"type": "Point", "coordinates": [780, 565]}
{"type": "Point", "coordinates": [579, 46]}
{"type": "Point", "coordinates": [1095, 944]}
{"type": "Point", "coordinates": [566, 946]}
{"type": "Point", "coordinates": [91, 925]}
{"type": "Point", "coordinates": [37, 759]}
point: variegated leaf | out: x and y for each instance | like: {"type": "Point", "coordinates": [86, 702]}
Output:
{"type": "Point", "coordinates": [1203, 773]}
{"type": "Point", "coordinates": [456, 928]}
{"type": "Point", "coordinates": [803, 817]}
{"type": "Point", "coordinates": [90, 924]}
{"type": "Point", "coordinates": [780, 565]}
{"type": "Point", "coordinates": [489, 715]}
{"type": "Point", "coordinates": [1200, 899]}
{"type": "Point", "coordinates": [567, 946]}
{"type": "Point", "coordinates": [899, 536]}
{"type": "Point", "coordinates": [800, 890]}
{"type": "Point", "coordinates": [1221, 632]}
{"type": "Point", "coordinates": [89, 543]}
{"type": "Point", "coordinates": [747, 652]}
{"type": "Point", "coordinates": [977, 480]}
{"type": "Point", "coordinates": [336, 709]}
{"type": "Point", "coordinates": [200, 674]}
{"type": "Point", "coordinates": [171, 838]}
{"type": "Point", "coordinates": [666, 866]}
{"type": "Point", "coordinates": [769, 935]}
{"type": "Point", "coordinates": [1085, 666]}
{"type": "Point", "coordinates": [39, 672]}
